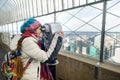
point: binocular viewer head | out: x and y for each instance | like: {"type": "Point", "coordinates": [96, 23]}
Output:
{"type": "Point", "coordinates": [51, 28]}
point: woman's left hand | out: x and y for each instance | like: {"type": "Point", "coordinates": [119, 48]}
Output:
{"type": "Point", "coordinates": [61, 33]}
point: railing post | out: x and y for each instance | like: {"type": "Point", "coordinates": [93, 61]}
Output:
{"type": "Point", "coordinates": [103, 30]}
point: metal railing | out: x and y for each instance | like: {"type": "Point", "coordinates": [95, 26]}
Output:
{"type": "Point", "coordinates": [91, 27]}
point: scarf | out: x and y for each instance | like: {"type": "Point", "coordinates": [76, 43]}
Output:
{"type": "Point", "coordinates": [28, 34]}
{"type": "Point", "coordinates": [45, 72]}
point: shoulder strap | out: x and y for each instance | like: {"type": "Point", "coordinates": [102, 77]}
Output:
{"type": "Point", "coordinates": [28, 63]}
{"type": "Point", "coordinates": [19, 46]}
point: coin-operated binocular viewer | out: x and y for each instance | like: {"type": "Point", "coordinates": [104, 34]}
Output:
{"type": "Point", "coordinates": [48, 32]}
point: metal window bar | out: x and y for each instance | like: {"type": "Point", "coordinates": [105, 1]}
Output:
{"type": "Point", "coordinates": [62, 5]}
{"type": "Point", "coordinates": [47, 6]}
{"type": "Point", "coordinates": [79, 2]}
{"type": "Point", "coordinates": [29, 7]}
{"type": "Point", "coordinates": [21, 8]}
{"type": "Point", "coordinates": [9, 8]}
{"type": "Point", "coordinates": [32, 8]}
{"type": "Point", "coordinates": [59, 5]}
{"type": "Point", "coordinates": [12, 29]}
{"type": "Point", "coordinates": [37, 6]}
{"type": "Point", "coordinates": [41, 7]}
{"type": "Point", "coordinates": [16, 27]}
{"type": "Point", "coordinates": [18, 14]}
{"type": "Point", "coordinates": [2, 28]}
{"type": "Point", "coordinates": [86, 1]}
{"type": "Point", "coordinates": [5, 28]}
{"type": "Point", "coordinates": [73, 3]}
{"type": "Point", "coordinates": [8, 28]}
{"type": "Point", "coordinates": [26, 9]}
{"type": "Point", "coordinates": [54, 11]}
{"type": "Point", "coordinates": [12, 10]}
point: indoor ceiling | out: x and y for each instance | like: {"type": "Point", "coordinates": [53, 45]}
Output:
{"type": "Point", "coordinates": [12, 11]}
{"type": "Point", "coordinates": [18, 10]}
{"type": "Point", "coordinates": [8, 11]}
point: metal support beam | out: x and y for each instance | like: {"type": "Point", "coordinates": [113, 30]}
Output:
{"type": "Point", "coordinates": [103, 31]}
{"type": "Point", "coordinates": [54, 11]}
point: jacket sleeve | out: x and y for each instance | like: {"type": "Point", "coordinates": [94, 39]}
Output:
{"type": "Point", "coordinates": [31, 48]}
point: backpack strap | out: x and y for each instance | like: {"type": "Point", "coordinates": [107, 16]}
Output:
{"type": "Point", "coordinates": [19, 70]}
{"type": "Point", "coordinates": [19, 46]}
{"type": "Point", "coordinates": [28, 63]}
{"type": "Point", "coordinates": [7, 59]}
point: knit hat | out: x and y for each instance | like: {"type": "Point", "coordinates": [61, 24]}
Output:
{"type": "Point", "coordinates": [31, 24]}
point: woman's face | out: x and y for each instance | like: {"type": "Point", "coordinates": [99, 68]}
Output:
{"type": "Point", "coordinates": [38, 31]}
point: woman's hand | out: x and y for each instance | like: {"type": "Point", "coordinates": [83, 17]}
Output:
{"type": "Point", "coordinates": [60, 33]}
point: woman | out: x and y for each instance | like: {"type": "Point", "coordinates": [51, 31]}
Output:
{"type": "Point", "coordinates": [30, 49]}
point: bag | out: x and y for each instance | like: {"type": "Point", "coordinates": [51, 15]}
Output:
{"type": "Point", "coordinates": [12, 66]}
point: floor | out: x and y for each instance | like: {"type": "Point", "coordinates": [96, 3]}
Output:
{"type": "Point", "coordinates": [2, 53]}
